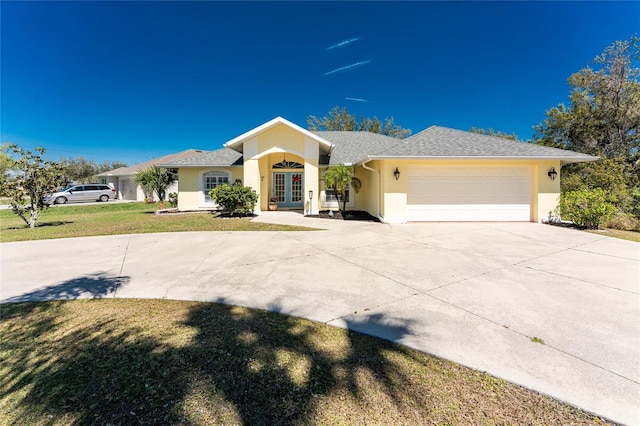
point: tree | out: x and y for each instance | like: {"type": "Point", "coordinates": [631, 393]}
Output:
{"type": "Point", "coordinates": [603, 116]}
{"type": "Point", "coordinates": [341, 178]}
{"type": "Point", "coordinates": [81, 170]}
{"type": "Point", "coordinates": [6, 162]}
{"type": "Point", "coordinates": [500, 134]}
{"type": "Point", "coordinates": [35, 178]}
{"type": "Point", "coordinates": [155, 179]}
{"type": "Point", "coordinates": [603, 119]}
{"type": "Point", "coordinates": [341, 119]}
{"type": "Point", "coordinates": [235, 198]}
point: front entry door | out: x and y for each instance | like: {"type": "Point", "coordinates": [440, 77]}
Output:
{"type": "Point", "coordinates": [287, 187]}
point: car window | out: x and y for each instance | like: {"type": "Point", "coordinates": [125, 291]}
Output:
{"type": "Point", "coordinates": [91, 187]}
{"type": "Point", "coordinates": [105, 187]}
{"type": "Point", "coordinates": [75, 188]}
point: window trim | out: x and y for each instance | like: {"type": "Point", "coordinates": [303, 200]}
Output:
{"type": "Point", "coordinates": [202, 198]}
{"type": "Point", "coordinates": [333, 204]}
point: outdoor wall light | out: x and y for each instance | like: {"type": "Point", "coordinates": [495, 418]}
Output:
{"type": "Point", "coordinates": [552, 173]}
{"type": "Point", "coordinates": [310, 194]}
{"type": "Point", "coordinates": [396, 173]}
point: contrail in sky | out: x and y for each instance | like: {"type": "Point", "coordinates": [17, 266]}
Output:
{"type": "Point", "coordinates": [356, 99]}
{"type": "Point", "coordinates": [348, 67]}
{"type": "Point", "coordinates": [343, 43]}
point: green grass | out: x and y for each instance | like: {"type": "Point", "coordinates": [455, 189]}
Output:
{"type": "Point", "coordinates": [618, 233]}
{"type": "Point", "coordinates": [120, 218]}
{"type": "Point", "coordinates": [118, 361]}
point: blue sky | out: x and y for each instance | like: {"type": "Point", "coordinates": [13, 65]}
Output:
{"type": "Point", "coordinates": [131, 81]}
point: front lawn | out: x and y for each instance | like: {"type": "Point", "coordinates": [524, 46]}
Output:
{"type": "Point", "coordinates": [118, 361]}
{"type": "Point", "coordinates": [120, 218]}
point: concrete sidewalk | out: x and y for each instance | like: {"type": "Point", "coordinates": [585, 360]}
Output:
{"type": "Point", "coordinates": [474, 293]}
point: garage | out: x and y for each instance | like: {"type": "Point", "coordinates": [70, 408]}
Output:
{"type": "Point", "coordinates": [469, 193]}
{"type": "Point", "coordinates": [128, 189]}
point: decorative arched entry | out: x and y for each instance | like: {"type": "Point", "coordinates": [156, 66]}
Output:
{"type": "Point", "coordinates": [288, 184]}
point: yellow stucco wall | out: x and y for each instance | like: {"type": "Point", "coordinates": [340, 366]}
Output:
{"type": "Point", "coordinates": [188, 189]}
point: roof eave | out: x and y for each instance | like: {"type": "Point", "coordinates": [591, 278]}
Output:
{"type": "Point", "coordinates": [564, 160]}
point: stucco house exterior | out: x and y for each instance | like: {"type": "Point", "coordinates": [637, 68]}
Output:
{"type": "Point", "coordinates": [438, 174]}
{"type": "Point", "coordinates": [122, 179]}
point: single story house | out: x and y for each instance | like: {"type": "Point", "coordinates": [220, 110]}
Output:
{"type": "Point", "coordinates": [439, 174]}
{"type": "Point", "coordinates": [122, 179]}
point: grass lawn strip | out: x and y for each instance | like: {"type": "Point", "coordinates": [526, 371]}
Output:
{"type": "Point", "coordinates": [119, 361]}
{"type": "Point", "coordinates": [120, 218]}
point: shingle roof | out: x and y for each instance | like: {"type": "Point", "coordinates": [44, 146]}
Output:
{"type": "Point", "coordinates": [132, 170]}
{"type": "Point", "coordinates": [434, 142]}
{"type": "Point", "coordinates": [223, 157]}
{"type": "Point", "coordinates": [442, 142]}
{"type": "Point", "coordinates": [353, 147]}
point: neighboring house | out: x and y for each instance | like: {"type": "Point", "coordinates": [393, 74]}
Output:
{"type": "Point", "coordinates": [122, 179]}
{"type": "Point", "coordinates": [439, 174]}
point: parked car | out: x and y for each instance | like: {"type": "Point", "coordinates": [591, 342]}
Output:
{"type": "Point", "coordinates": [73, 193]}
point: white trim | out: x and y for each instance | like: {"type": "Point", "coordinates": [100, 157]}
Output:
{"type": "Point", "coordinates": [277, 150]}
{"type": "Point", "coordinates": [239, 140]}
{"type": "Point", "coordinates": [201, 197]}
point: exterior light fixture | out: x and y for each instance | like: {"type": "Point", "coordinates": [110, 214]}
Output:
{"type": "Point", "coordinates": [310, 201]}
{"type": "Point", "coordinates": [552, 173]}
{"type": "Point", "coordinates": [396, 173]}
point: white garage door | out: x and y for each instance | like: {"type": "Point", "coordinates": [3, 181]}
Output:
{"type": "Point", "coordinates": [469, 194]}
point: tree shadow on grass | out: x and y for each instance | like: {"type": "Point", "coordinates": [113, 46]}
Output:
{"type": "Point", "coordinates": [44, 224]}
{"type": "Point", "coordinates": [238, 366]}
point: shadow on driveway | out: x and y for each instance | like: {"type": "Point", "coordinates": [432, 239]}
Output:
{"type": "Point", "coordinates": [85, 287]}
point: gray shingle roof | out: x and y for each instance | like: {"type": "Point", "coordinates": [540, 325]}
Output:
{"type": "Point", "coordinates": [442, 142]}
{"type": "Point", "coordinates": [223, 157]}
{"type": "Point", "coordinates": [131, 170]}
{"type": "Point", "coordinates": [434, 142]}
{"type": "Point", "coordinates": [353, 147]}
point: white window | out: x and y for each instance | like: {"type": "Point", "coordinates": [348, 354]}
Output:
{"type": "Point", "coordinates": [210, 180]}
{"type": "Point", "coordinates": [329, 198]}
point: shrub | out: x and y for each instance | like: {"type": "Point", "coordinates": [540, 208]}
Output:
{"type": "Point", "coordinates": [173, 199]}
{"type": "Point", "coordinates": [585, 207]}
{"type": "Point", "coordinates": [623, 221]}
{"type": "Point", "coordinates": [235, 198]}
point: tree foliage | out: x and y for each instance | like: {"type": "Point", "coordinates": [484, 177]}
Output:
{"type": "Point", "coordinates": [80, 170]}
{"type": "Point", "coordinates": [6, 162]}
{"type": "Point", "coordinates": [603, 116]}
{"type": "Point", "coordinates": [603, 119]}
{"type": "Point", "coordinates": [35, 178]}
{"type": "Point", "coordinates": [500, 134]}
{"type": "Point", "coordinates": [341, 119]}
{"type": "Point", "coordinates": [341, 178]}
{"type": "Point", "coordinates": [235, 198]}
{"type": "Point", "coordinates": [156, 180]}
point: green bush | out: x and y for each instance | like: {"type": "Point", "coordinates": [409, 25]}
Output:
{"type": "Point", "coordinates": [235, 198]}
{"type": "Point", "coordinates": [173, 199]}
{"type": "Point", "coordinates": [585, 207]}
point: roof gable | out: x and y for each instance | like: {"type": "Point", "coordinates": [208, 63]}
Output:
{"type": "Point", "coordinates": [237, 142]}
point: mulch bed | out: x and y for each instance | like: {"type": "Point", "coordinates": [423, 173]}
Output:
{"type": "Point", "coordinates": [349, 215]}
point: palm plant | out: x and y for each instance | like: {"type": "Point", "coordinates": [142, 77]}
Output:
{"type": "Point", "coordinates": [155, 179]}
{"type": "Point", "coordinates": [340, 178]}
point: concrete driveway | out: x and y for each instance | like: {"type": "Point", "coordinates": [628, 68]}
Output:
{"type": "Point", "coordinates": [474, 293]}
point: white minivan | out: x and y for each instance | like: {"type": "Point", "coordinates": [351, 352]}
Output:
{"type": "Point", "coordinates": [89, 192]}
